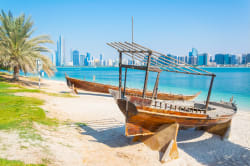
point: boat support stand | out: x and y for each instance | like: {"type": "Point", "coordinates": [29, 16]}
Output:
{"type": "Point", "coordinates": [163, 140]}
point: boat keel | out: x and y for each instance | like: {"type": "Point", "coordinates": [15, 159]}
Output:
{"type": "Point", "coordinates": [223, 130]}
{"type": "Point", "coordinates": [163, 140]}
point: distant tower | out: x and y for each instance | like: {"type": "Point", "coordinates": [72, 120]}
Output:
{"type": "Point", "coordinates": [101, 60]}
{"type": "Point", "coordinates": [87, 59]}
{"type": "Point", "coordinates": [76, 58]}
{"type": "Point", "coordinates": [53, 58]}
{"type": "Point", "coordinates": [82, 57]}
{"type": "Point", "coordinates": [60, 53]}
{"type": "Point", "coordinates": [192, 59]}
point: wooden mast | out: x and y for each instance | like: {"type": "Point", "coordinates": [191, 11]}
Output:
{"type": "Point", "coordinates": [120, 74]}
{"type": "Point", "coordinates": [154, 95]}
{"type": "Point", "coordinates": [146, 75]}
{"type": "Point", "coordinates": [125, 80]}
{"type": "Point", "coordinates": [209, 91]}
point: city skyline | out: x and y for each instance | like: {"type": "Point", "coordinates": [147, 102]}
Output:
{"type": "Point", "coordinates": [170, 27]}
{"type": "Point", "coordinates": [194, 57]}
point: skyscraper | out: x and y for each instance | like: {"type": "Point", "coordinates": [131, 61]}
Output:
{"type": "Point", "coordinates": [244, 57]}
{"type": "Point", "coordinates": [87, 59]}
{"type": "Point", "coordinates": [202, 59]}
{"type": "Point", "coordinates": [248, 58]}
{"type": "Point", "coordinates": [233, 59]}
{"type": "Point", "coordinates": [192, 59]}
{"type": "Point", "coordinates": [82, 57]}
{"type": "Point", "coordinates": [226, 59]}
{"type": "Point", "coordinates": [76, 58]}
{"type": "Point", "coordinates": [60, 53]}
{"type": "Point", "coordinates": [219, 58]}
{"type": "Point", "coordinates": [101, 60]}
{"type": "Point", "coordinates": [53, 58]}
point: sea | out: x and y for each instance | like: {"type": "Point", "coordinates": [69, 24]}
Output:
{"type": "Point", "coordinates": [229, 82]}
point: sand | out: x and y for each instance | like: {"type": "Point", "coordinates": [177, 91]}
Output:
{"type": "Point", "coordinates": [102, 141]}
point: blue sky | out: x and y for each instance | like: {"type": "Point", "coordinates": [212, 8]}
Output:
{"type": "Point", "coordinates": [169, 26]}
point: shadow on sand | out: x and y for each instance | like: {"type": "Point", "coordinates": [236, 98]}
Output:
{"type": "Point", "coordinates": [107, 131]}
{"type": "Point", "coordinates": [8, 78]}
{"type": "Point", "coordinates": [212, 151]}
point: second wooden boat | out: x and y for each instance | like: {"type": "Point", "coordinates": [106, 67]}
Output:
{"type": "Point", "coordinates": [102, 88]}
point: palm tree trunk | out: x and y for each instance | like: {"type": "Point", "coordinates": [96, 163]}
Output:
{"type": "Point", "coordinates": [16, 73]}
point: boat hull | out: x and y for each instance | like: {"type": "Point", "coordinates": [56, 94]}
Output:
{"type": "Point", "coordinates": [102, 88]}
{"type": "Point", "coordinates": [141, 120]}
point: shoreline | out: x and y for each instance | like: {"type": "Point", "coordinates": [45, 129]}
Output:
{"type": "Point", "coordinates": [61, 81]}
{"type": "Point", "coordinates": [241, 100]}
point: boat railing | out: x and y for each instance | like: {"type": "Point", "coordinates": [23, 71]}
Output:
{"type": "Point", "coordinates": [172, 107]}
{"type": "Point", "coordinates": [176, 107]}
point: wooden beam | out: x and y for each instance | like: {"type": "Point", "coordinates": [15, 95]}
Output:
{"type": "Point", "coordinates": [154, 95]}
{"type": "Point", "coordinates": [125, 80]}
{"type": "Point", "coordinates": [146, 76]}
{"type": "Point", "coordinates": [142, 47]}
{"type": "Point", "coordinates": [209, 91]}
{"type": "Point", "coordinates": [154, 69]}
{"type": "Point", "coordinates": [120, 74]}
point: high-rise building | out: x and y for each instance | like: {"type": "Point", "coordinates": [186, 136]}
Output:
{"type": "Point", "coordinates": [243, 60]}
{"type": "Point", "coordinates": [87, 59]}
{"type": "Point", "coordinates": [211, 59]}
{"type": "Point", "coordinates": [53, 58]}
{"type": "Point", "coordinates": [76, 58]}
{"type": "Point", "coordinates": [219, 58]}
{"type": "Point", "coordinates": [233, 60]}
{"type": "Point", "coordinates": [202, 59]}
{"type": "Point", "coordinates": [82, 57]}
{"type": "Point", "coordinates": [60, 53]}
{"type": "Point", "coordinates": [227, 59]}
{"type": "Point", "coordinates": [71, 55]}
{"type": "Point", "coordinates": [182, 59]}
{"type": "Point", "coordinates": [101, 60]}
{"type": "Point", "coordinates": [248, 58]}
{"type": "Point", "coordinates": [192, 59]}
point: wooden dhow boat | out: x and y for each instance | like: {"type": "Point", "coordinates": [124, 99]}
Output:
{"type": "Point", "coordinates": [156, 122]}
{"type": "Point", "coordinates": [102, 88]}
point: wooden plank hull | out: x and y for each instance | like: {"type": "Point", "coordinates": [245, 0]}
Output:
{"type": "Point", "coordinates": [143, 120]}
{"type": "Point", "coordinates": [97, 87]}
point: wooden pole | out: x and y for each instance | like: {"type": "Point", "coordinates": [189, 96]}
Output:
{"type": "Point", "coordinates": [120, 74]}
{"type": "Point", "coordinates": [154, 95]}
{"type": "Point", "coordinates": [146, 76]}
{"type": "Point", "coordinates": [209, 91]}
{"type": "Point", "coordinates": [125, 80]}
{"type": "Point", "coordinates": [156, 84]}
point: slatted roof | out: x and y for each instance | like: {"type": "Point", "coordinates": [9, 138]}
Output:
{"type": "Point", "coordinates": [158, 60]}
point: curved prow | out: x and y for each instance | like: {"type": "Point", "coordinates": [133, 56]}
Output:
{"type": "Point", "coordinates": [127, 108]}
{"type": "Point", "coordinates": [197, 94]}
{"type": "Point", "coordinates": [114, 93]}
{"type": "Point", "coordinates": [69, 84]}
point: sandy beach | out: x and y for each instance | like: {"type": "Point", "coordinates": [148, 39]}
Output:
{"type": "Point", "coordinates": [102, 141]}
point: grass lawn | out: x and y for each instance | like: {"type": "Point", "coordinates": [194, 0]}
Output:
{"type": "Point", "coordinates": [4, 162]}
{"type": "Point", "coordinates": [19, 113]}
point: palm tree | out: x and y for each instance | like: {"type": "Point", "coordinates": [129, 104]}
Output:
{"type": "Point", "coordinates": [18, 50]}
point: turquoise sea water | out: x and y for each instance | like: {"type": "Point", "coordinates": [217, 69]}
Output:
{"type": "Point", "coordinates": [228, 81]}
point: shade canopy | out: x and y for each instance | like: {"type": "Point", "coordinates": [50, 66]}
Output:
{"type": "Point", "coordinates": [157, 60]}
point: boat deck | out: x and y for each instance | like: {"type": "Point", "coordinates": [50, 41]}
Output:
{"type": "Point", "coordinates": [214, 109]}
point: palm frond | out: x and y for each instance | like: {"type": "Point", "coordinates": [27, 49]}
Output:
{"type": "Point", "coordinates": [18, 49]}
